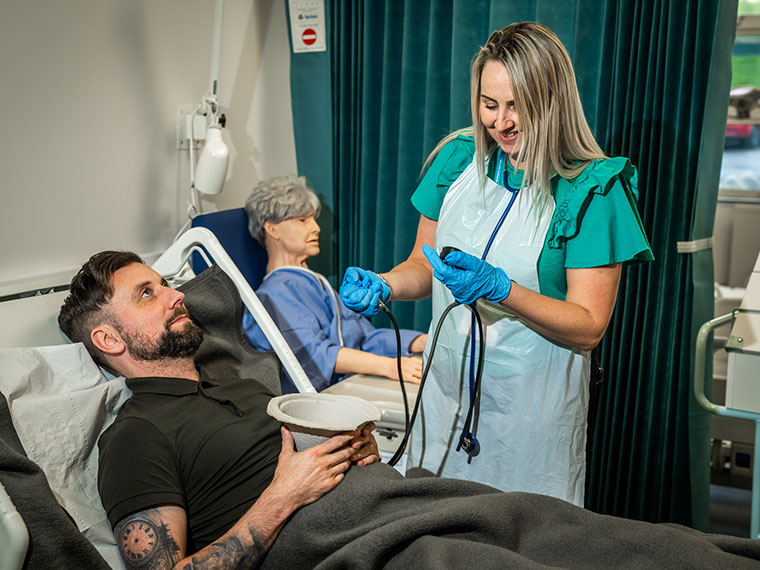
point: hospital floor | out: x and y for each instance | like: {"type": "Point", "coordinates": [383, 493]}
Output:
{"type": "Point", "coordinates": [730, 510]}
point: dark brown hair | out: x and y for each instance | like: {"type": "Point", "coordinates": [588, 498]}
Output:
{"type": "Point", "coordinates": [90, 291]}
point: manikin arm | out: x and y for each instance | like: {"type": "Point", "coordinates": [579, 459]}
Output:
{"type": "Point", "coordinates": [352, 361]}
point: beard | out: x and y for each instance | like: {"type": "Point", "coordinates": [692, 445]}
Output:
{"type": "Point", "coordinates": [181, 343]}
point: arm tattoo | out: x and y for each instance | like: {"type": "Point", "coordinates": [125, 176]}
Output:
{"type": "Point", "coordinates": [252, 559]}
{"type": "Point", "coordinates": [221, 554]}
{"type": "Point", "coordinates": [229, 554]}
{"type": "Point", "coordinates": [143, 544]}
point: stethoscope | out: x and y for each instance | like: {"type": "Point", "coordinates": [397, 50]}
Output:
{"type": "Point", "coordinates": [468, 442]}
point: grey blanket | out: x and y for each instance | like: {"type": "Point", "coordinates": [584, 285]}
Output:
{"type": "Point", "coordinates": [55, 541]}
{"type": "Point", "coordinates": [376, 518]}
{"type": "Point", "coordinates": [215, 305]}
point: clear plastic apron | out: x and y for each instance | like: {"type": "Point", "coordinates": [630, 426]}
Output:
{"type": "Point", "coordinates": [531, 423]}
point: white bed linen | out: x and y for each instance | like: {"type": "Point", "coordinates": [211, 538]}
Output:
{"type": "Point", "coordinates": [60, 402]}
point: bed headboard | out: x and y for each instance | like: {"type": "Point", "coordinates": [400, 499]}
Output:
{"type": "Point", "coordinates": [32, 321]}
{"type": "Point", "coordinates": [231, 229]}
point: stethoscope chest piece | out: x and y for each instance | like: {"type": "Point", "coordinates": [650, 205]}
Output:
{"type": "Point", "coordinates": [470, 445]}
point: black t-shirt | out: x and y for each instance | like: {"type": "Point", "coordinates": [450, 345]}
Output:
{"type": "Point", "coordinates": [207, 446]}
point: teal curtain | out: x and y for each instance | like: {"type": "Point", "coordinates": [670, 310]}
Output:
{"type": "Point", "coordinates": [665, 61]}
{"type": "Point", "coordinates": [395, 79]}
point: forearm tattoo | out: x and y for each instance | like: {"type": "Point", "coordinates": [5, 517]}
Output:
{"type": "Point", "coordinates": [229, 554]}
{"type": "Point", "coordinates": [146, 545]}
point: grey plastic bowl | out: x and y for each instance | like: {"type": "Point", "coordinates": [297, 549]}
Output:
{"type": "Point", "coordinates": [314, 418]}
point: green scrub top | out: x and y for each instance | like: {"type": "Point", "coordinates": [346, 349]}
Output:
{"type": "Point", "coordinates": [595, 221]}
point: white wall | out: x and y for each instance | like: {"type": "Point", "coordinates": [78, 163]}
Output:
{"type": "Point", "coordinates": [88, 98]}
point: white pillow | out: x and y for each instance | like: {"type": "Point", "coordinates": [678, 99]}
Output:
{"type": "Point", "coordinates": [60, 402]}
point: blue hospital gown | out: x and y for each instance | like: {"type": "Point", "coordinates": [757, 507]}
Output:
{"type": "Point", "coordinates": [303, 306]}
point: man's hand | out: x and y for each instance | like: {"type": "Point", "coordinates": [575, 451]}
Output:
{"type": "Point", "coordinates": [365, 446]}
{"type": "Point", "coordinates": [303, 477]}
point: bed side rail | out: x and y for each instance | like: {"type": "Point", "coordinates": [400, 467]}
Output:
{"type": "Point", "coordinates": [176, 258]}
{"type": "Point", "coordinates": [14, 536]}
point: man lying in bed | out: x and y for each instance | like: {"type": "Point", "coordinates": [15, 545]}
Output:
{"type": "Point", "coordinates": [190, 466]}
{"type": "Point", "coordinates": [194, 473]}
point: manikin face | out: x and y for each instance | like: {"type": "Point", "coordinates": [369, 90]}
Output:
{"type": "Point", "coordinates": [150, 316]}
{"type": "Point", "coordinates": [299, 236]}
{"type": "Point", "coordinates": [497, 108]}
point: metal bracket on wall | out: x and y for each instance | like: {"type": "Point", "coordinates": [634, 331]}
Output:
{"type": "Point", "coordinates": [185, 113]}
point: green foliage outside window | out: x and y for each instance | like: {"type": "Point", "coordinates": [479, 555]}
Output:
{"type": "Point", "coordinates": [745, 70]}
{"type": "Point", "coordinates": [749, 7]}
{"type": "Point", "coordinates": [745, 63]}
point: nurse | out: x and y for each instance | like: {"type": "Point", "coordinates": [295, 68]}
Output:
{"type": "Point", "coordinates": [544, 221]}
{"type": "Point", "coordinates": [329, 340]}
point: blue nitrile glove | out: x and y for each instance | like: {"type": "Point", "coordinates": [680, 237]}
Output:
{"type": "Point", "coordinates": [362, 289]}
{"type": "Point", "coordinates": [469, 278]}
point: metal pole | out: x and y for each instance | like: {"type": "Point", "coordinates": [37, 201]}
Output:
{"type": "Point", "coordinates": [216, 46]}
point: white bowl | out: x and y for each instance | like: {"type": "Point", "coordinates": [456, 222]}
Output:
{"type": "Point", "coordinates": [314, 418]}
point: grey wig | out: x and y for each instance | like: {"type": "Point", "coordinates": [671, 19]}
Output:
{"type": "Point", "coordinates": [279, 199]}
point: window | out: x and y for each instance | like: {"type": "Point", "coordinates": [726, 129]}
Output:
{"type": "Point", "coordinates": [741, 159]}
{"type": "Point", "coordinates": [737, 219]}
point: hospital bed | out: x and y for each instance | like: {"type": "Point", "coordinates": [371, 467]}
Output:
{"type": "Point", "coordinates": [41, 364]}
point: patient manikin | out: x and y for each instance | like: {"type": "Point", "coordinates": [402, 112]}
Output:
{"type": "Point", "coordinates": [329, 340]}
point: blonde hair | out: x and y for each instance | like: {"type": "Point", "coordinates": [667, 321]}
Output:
{"type": "Point", "coordinates": [555, 138]}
